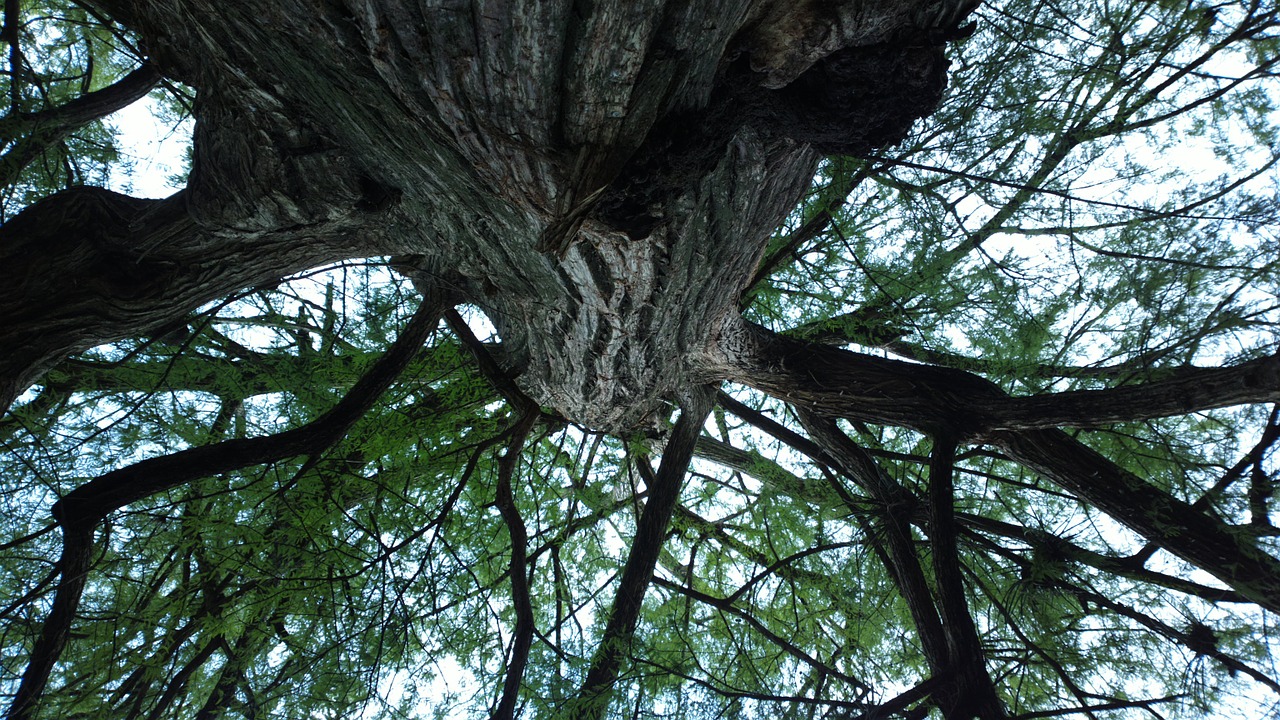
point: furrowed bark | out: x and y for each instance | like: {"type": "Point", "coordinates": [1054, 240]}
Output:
{"type": "Point", "coordinates": [544, 157]}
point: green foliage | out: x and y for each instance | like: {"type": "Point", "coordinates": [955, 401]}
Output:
{"type": "Point", "coordinates": [1037, 230]}
{"type": "Point", "coordinates": [57, 51]}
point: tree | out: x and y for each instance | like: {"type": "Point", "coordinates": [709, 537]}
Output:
{"type": "Point", "coordinates": [791, 402]}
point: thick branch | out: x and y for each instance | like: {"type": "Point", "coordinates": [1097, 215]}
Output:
{"type": "Point", "coordinates": [1204, 541]}
{"type": "Point", "coordinates": [80, 511]}
{"type": "Point", "coordinates": [872, 389]}
{"type": "Point", "coordinates": [1199, 638]}
{"type": "Point", "coordinates": [895, 517]}
{"type": "Point", "coordinates": [519, 572]}
{"type": "Point", "coordinates": [651, 530]}
{"type": "Point", "coordinates": [1191, 390]}
{"type": "Point", "coordinates": [928, 398]}
{"type": "Point", "coordinates": [43, 129]}
{"type": "Point", "coordinates": [974, 695]}
{"type": "Point", "coordinates": [119, 266]}
{"type": "Point", "coordinates": [1122, 567]}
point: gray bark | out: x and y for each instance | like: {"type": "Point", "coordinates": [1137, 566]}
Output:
{"type": "Point", "coordinates": [599, 177]}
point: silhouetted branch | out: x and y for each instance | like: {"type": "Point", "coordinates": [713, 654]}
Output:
{"type": "Point", "coordinates": [651, 530]}
{"type": "Point", "coordinates": [80, 511]}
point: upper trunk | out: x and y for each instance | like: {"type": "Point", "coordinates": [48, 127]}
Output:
{"type": "Point", "coordinates": [600, 177]}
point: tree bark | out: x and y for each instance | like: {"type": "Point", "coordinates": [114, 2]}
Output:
{"type": "Point", "coordinates": [599, 177]}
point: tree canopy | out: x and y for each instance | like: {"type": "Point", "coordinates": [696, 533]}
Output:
{"type": "Point", "coordinates": [855, 359]}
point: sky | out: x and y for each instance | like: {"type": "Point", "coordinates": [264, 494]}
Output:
{"type": "Point", "coordinates": [153, 147]}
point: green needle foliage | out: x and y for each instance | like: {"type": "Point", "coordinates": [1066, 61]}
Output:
{"type": "Point", "coordinates": [1094, 206]}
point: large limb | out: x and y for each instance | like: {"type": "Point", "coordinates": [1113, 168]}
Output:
{"type": "Point", "coordinates": [519, 572]}
{"type": "Point", "coordinates": [1226, 552]}
{"type": "Point", "coordinates": [931, 398]}
{"type": "Point", "coordinates": [92, 266]}
{"type": "Point", "coordinates": [974, 693]}
{"type": "Point", "coordinates": [80, 511]}
{"type": "Point", "coordinates": [897, 506]}
{"type": "Point", "coordinates": [504, 499]}
{"type": "Point", "coordinates": [651, 530]}
{"type": "Point", "coordinates": [941, 400]}
{"type": "Point", "coordinates": [267, 197]}
{"type": "Point", "coordinates": [946, 629]}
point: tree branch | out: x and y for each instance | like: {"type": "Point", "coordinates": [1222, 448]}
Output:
{"type": "Point", "coordinates": [120, 266]}
{"type": "Point", "coordinates": [519, 570]}
{"type": "Point", "coordinates": [651, 530]}
{"type": "Point", "coordinates": [975, 694]}
{"type": "Point", "coordinates": [47, 127]}
{"type": "Point", "coordinates": [928, 398]}
{"type": "Point", "coordinates": [1206, 542]}
{"type": "Point", "coordinates": [1191, 390]}
{"type": "Point", "coordinates": [727, 606]}
{"type": "Point", "coordinates": [897, 505]}
{"type": "Point", "coordinates": [1038, 540]}
{"type": "Point", "coordinates": [80, 511]}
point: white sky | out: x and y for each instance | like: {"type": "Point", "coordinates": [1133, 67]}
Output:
{"type": "Point", "coordinates": [154, 149]}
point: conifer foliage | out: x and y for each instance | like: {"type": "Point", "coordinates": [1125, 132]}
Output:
{"type": "Point", "coordinates": [658, 358]}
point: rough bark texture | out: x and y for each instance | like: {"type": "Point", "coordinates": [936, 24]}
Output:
{"type": "Point", "coordinates": [599, 177]}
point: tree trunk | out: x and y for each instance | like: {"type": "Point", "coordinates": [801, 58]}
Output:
{"type": "Point", "coordinates": [599, 177]}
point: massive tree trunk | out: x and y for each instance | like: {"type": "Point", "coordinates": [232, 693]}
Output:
{"type": "Point", "coordinates": [599, 177]}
